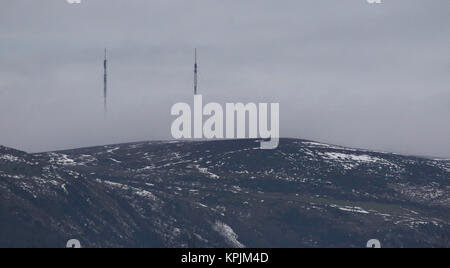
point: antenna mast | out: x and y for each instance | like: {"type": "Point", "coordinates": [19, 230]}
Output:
{"type": "Point", "coordinates": [195, 73]}
{"type": "Point", "coordinates": [105, 83]}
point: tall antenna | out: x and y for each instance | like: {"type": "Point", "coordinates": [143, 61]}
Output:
{"type": "Point", "coordinates": [195, 73]}
{"type": "Point", "coordinates": [105, 83]}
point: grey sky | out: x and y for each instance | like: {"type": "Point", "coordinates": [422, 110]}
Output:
{"type": "Point", "coordinates": [344, 72]}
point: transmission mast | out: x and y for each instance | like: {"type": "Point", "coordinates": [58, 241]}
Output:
{"type": "Point", "coordinates": [195, 74]}
{"type": "Point", "coordinates": [105, 83]}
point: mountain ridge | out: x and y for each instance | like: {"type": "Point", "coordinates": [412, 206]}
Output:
{"type": "Point", "coordinates": [225, 193]}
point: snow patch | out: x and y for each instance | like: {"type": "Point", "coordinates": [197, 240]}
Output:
{"type": "Point", "coordinates": [146, 194]}
{"type": "Point", "coordinates": [350, 209]}
{"type": "Point", "coordinates": [350, 157]}
{"type": "Point", "coordinates": [207, 172]}
{"type": "Point", "coordinates": [62, 159]}
{"type": "Point", "coordinates": [112, 150]}
{"type": "Point", "coordinates": [228, 233]}
{"type": "Point", "coordinates": [115, 161]}
{"type": "Point", "coordinates": [9, 158]}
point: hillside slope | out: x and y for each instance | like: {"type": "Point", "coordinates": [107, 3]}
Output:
{"type": "Point", "coordinates": [222, 194]}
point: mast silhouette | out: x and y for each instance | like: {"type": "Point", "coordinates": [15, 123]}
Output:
{"type": "Point", "coordinates": [195, 74]}
{"type": "Point", "coordinates": [105, 83]}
